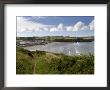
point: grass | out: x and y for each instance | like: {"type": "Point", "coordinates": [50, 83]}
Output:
{"type": "Point", "coordinates": [51, 63]}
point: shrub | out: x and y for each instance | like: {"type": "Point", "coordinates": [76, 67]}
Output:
{"type": "Point", "coordinates": [59, 64]}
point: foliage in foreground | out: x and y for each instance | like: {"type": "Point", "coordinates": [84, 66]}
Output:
{"type": "Point", "coordinates": [51, 63]}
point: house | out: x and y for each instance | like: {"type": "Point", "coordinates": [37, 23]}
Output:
{"type": "Point", "coordinates": [31, 42]}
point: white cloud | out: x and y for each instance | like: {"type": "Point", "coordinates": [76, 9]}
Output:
{"type": "Point", "coordinates": [29, 26]}
{"type": "Point", "coordinates": [69, 28]}
{"type": "Point", "coordinates": [25, 25]}
{"type": "Point", "coordinates": [77, 27]}
{"type": "Point", "coordinates": [80, 26]}
{"type": "Point", "coordinates": [46, 29]}
{"type": "Point", "coordinates": [60, 26]}
{"type": "Point", "coordinates": [91, 25]}
{"type": "Point", "coordinates": [85, 28]}
{"type": "Point", "coordinates": [53, 29]}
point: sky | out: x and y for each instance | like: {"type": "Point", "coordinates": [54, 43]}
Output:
{"type": "Point", "coordinates": [74, 26]}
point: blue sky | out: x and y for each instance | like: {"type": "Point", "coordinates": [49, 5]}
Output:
{"type": "Point", "coordinates": [55, 26]}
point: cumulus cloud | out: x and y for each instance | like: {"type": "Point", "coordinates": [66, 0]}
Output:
{"type": "Point", "coordinates": [26, 25]}
{"type": "Point", "coordinates": [60, 26]}
{"type": "Point", "coordinates": [46, 29]}
{"type": "Point", "coordinates": [81, 26]}
{"type": "Point", "coordinates": [78, 26]}
{"type": "Point", "coordinates": [53, 29]}
{"type": "Point", "coordinates": [91, 25]}
{"type": "Point", "coordinates": [69, 28]}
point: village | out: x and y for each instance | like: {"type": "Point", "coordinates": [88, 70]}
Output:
{"type": "Point", "coordinates": [30, 41]}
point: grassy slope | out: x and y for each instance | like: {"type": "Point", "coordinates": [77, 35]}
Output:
{"type": "Point", "coordinates": [50, 63]}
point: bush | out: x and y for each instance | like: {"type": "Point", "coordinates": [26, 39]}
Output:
{"type": "Point", "coordinates": [58, 64]}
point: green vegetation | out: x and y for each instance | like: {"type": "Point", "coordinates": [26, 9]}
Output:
{"type": "Point", "coordinates": [59, 38]}
{"type": "Point", "coordinates": [51, 63]}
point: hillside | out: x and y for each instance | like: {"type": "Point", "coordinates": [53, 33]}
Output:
{"type": "Point", "coordinates": [41, 62]}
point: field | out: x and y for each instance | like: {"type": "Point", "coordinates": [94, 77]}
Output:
{"type": "Point", "coordinates": [41, 62]}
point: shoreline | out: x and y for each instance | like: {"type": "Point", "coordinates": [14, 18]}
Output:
{"type": "Point", "coordinates": [25, 45]}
